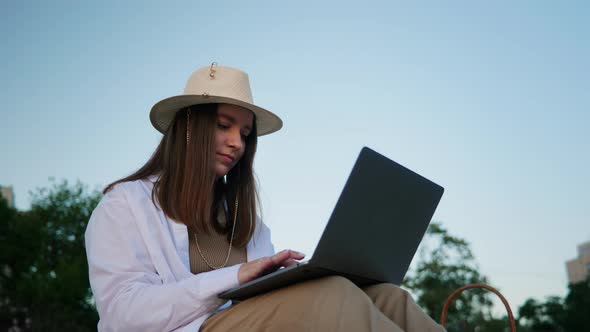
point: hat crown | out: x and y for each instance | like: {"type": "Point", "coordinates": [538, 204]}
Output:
{"type": "Point", "coordinates": [214, 85]}
{"type": "Point", "coordinates": [220, 81]}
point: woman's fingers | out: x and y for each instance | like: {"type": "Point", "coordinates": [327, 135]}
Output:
{"type": "Point", "coordinates": [265, 265]}
{"type": "Point", "coordinates": [289, 262]}
{"type": "Point", "coordinates": [251, 270]}
{"type": "Point", "coordinates": [286, 254]}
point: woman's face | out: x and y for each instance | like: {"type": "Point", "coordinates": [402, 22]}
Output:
{"type": "Point", "coordinates": [234, 124]}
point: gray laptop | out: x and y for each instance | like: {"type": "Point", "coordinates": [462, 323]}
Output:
{"type": "Point", "coordinates": [373, 232]}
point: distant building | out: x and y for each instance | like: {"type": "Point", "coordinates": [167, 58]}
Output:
{"type": "Point", "coordinates": [579, 269]}
{"type": "Point", "coordinates": [8, 194]}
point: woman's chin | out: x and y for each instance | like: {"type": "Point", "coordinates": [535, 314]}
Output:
{"type": "Point", "coordinates": [221, 170]}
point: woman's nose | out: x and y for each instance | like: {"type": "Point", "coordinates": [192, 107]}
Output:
{"type": "Point", "coordinates": [235, 139]}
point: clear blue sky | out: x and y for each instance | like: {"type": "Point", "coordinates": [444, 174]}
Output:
{"type": "Point", "coordinates": [490, 100]}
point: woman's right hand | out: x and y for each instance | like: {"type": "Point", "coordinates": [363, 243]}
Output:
{"type": "Point", "coordinates": [252, 270]}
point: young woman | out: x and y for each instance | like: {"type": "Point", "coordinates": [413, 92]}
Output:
{"type": "Point", "coordinates": [164, 241]}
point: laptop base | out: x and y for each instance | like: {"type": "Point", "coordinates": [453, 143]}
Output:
{"type": "Point", "coordinates": [285, 277]}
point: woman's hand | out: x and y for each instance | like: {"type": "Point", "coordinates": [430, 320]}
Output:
{"type": "Point", "coordinates": [252, 270]}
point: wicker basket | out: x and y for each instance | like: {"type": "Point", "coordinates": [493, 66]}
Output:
{"type": "Point", "coordinates": [443, 319]}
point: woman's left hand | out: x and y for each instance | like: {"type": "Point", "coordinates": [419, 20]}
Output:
{"type": "Point", "coordinates": [252, 270]}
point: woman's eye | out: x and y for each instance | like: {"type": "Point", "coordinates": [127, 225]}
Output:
{"type": "Point", "coordinates": [222, 125]}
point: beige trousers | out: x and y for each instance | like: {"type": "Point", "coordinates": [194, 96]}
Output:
{"type": "Point", "coordinates": [325, 304]}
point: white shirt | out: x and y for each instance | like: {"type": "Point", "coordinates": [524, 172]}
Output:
{"type": "Point", "coordinates": [139, 265]}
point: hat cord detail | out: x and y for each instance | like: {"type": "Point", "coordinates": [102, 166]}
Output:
{"type": "Point", "coordinates": [188, 126]}
{"type": "Point", "coordinates": [212, 70]}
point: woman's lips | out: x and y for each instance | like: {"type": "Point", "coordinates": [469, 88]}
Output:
{"type": "Point", "coordinates": [225, 158]}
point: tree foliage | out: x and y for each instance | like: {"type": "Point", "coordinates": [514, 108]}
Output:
{"type": "Point", "coordinates": [538, 316]}
{"type": "Point", "coordinates": [570, 314]}
{"type": "Point", "coordinates": [43, 269]}
{"type": "Point", "coordinates": [577, 307]}
{"type": "Point", "coordinates": [445, 264]}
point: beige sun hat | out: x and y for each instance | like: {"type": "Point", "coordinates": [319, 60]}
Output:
{"type": "Point", "coordinates": [215, 84]}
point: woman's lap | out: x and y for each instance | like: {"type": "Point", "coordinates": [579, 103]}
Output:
{"type": "Point", "coordinates": [326, 304]}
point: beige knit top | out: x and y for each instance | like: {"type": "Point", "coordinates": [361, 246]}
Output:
{"type": "Point", "coordinates": [214, 247]}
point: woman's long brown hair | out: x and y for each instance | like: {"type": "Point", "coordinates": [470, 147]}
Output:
{"type": "Point", "coordinates": [187, 188]}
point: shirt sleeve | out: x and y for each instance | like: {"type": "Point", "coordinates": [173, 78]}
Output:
{"type": "Point", "coordinates": [130, 295]}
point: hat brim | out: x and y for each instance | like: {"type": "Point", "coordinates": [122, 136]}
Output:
{"type": "Point", "coordinates": [164, 111]}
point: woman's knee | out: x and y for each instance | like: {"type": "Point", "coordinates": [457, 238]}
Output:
{"type": "Point", "coordinates": [387, 291]}
{"type": "Point", "coordinates": [327, 289]}
{"type": "Point", "coordinates": [324, 285]}
{"type": "Point", "coordinates": [335, 282]}
{"type": "Point", "coordinates": [387, 288]}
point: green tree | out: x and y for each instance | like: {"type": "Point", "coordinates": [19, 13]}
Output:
{"type": "Point", "coordinates": [570, 314]}
{"type": "Point", "coordinates": [11, 259]}
{"type": "Point", "coordinates": [577, 307]}
{"type": "Point", "coordinates": [541, 316]}
{"type": "Point", "coordinates": [44, 281]}
{"type": "Point", "coordinates": [445, 264]}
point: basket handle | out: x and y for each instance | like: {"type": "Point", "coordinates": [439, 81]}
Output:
{"type": "Point", "coordinates": [451, 297]}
